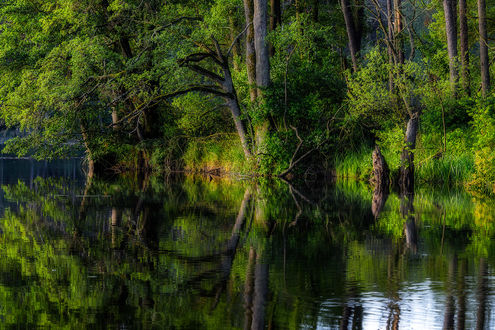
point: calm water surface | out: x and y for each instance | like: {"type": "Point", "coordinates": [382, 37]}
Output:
{"type": "Point", "coordinates": [195, 253]}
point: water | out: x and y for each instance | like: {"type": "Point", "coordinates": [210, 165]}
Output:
{"type": "Point", "coordinates": [204, 253]}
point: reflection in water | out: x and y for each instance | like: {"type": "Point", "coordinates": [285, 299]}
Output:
{"type": "Point", "coordinates": [188, 253]}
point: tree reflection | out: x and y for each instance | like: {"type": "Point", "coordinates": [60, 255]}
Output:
{"type": "Point", "coordinates": [196, 253]}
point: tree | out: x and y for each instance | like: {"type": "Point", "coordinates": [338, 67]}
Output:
{"type": "Point", "coordinates": [250, 50]}
{"type": "Point", "coordinates": [451, 31]}
{"type": "Point", "coordinates": [351, 32]}
{"type": "Point", "coordinates": [484, 60]}
{"type": "Point", "coordinates": [464, 46]}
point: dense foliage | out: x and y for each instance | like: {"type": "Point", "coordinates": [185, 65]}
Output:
{"type": "Point", "coordinates": [171, 84]}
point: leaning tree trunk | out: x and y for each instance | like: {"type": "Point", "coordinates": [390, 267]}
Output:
{"type": "Point", "coordinates": [406, 172]}
{"type": "Point", "coordinates": [484, 61]}
{"type": "Point", "coordinates": [250, 51]}
{"type": "Point", "coordinates": [451, 31]}
{"type": "Point", "coordinates": [351, 32]}
{"type": "Point", "coordinates": [233, 105]}
{"type": "Point", "coordinates": [463, 30]}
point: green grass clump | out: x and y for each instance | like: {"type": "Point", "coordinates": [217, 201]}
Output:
{"type": "Point", "coordinates": [357, 165]}
{"type": "Point", "coordinates": [447, 169]}
{"type": "Point", "coordinates": [222, 153]}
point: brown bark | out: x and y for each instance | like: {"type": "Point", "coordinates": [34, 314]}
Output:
{"type": "Point", "coordinates": [484, 60]}
{"type": "Point", "coordinates": [464, 45]}
{"type": "Point", "coordinates": [250, 51]}
{"type": "Point", "coordinates": [351, 32]}
{"type": "Point", "coordinates": [451, 31]}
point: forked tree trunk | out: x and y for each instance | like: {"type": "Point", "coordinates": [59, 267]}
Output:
{"type": "Point", "coordinates": [484, 60]}
{"type": "Point", "coordinates": [451, 31]}
{"type": "Point", "coordinates": [463, 30]}
{"type": "Point", "coordinates": [250, 50]}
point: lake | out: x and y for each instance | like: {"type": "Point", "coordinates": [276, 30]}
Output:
{"type": "Point", "coordinates": [187, 252]}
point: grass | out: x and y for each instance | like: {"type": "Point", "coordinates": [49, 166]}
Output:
{"type": "Point", "coordinates": [355, 165]}
{"type": "Point", "coordinates": [446, 170]}
{"type": "Point", "coordinates": [222, 153]}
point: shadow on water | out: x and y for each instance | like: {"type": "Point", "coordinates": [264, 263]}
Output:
{"type": "Point", "coordinates": [194, 253]}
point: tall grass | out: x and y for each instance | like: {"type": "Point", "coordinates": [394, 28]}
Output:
{"type": "Point", "coordinates": [355, 165]}
{"type": "Point", "coordinates": [223, 153]}
{"type": "Point", "coordinates": [448, 169]}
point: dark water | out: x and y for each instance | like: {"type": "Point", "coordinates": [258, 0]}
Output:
{"type": "Point", "coordinates": [193, 253]}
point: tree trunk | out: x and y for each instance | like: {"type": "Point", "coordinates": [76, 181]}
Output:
{"type": "Point", "coordinates": [484, 60]}
{"type": "Point", "coordinates": [390, 43]}
{"type": "Point", "coordinates": [262, 56]}
{"type": "Point", "coordinates": [463, 27]}
{"type": "Point", "coordinates": [398, 29]}
{"type": "Point", "coordinates": [250, 51]}
{"type": "Point", "coordinates": [406, 172]}
{"type": "Point", "coordinates": [451, 31]}
{"type": "Point", "coordinates": [262, 66]}
{"type": "Point", "coordinates": [351, 32]}
{"type": "Point", "coordinates": [233, 105]}
{"type": "Point", "coordinates": [275, 19]}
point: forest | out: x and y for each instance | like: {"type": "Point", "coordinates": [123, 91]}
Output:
{"type": "Point", "coordinates": [293, 89]}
